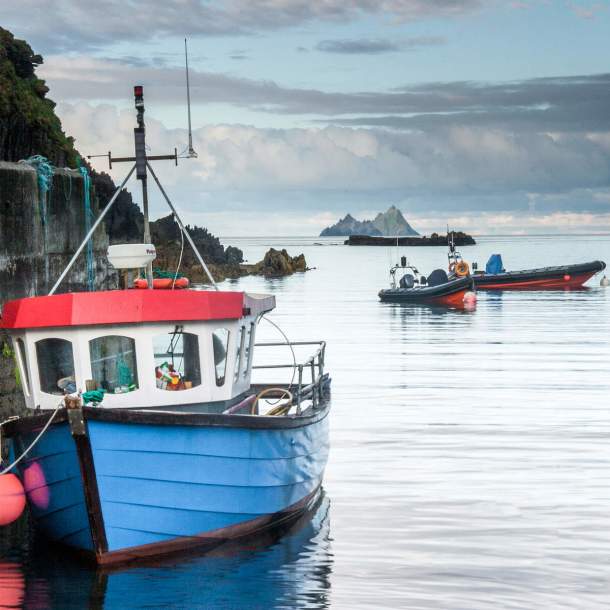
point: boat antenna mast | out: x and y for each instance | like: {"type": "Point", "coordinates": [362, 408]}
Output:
{"type": "Point", "coordinates": [190, 152]}
{"type": "Point", "coordinates": [141, 167]}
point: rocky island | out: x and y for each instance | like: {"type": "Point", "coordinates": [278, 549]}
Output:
{"type": "Point", "coordinates": [389, 223]}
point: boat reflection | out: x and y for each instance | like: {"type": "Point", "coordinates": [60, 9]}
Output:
{"type": "Point", "coordinates": [424, 311]}
{"type": "Point", "coordinates": [289, 566]}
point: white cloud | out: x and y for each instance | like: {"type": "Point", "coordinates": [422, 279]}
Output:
{"type": "Point", "coordinates": [305, 173]}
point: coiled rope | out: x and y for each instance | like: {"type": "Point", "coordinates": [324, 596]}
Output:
{"type": "Point", "coordinates": [44, 172]}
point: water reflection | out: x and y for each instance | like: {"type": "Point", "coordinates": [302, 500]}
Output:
{"type": "Point", "coordinates": [425, 312]}
{"type": "Point", "coordinates": [12, 585]}
{"type": "Point", "coordinates": [287, 567]}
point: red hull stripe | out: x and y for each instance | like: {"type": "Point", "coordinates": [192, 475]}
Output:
{"type": "Point", "coordinates": [451, 300]}
{"type": "Point", "coordinates": [574, 281]}
{"type": "Point", "coordinates": [121, 307]}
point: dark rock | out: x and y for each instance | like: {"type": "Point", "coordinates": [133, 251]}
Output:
{"type": "Point", "coordinates": [278, 263]}
{"type": "Point", "coordinates": [460, 239]}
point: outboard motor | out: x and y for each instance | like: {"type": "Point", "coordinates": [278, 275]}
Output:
{"type": "Point", "coordinates": [407, 281]}
{"type": "Point", "coordinates": [438, 277]}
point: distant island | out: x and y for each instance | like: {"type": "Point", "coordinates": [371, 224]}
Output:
{"type": "Point", "coordinates": [391, 223]}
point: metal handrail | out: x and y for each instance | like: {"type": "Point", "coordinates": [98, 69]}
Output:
{"type": "Point", "coordinates": [316, 360]}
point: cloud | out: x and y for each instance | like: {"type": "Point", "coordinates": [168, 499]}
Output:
{"type": "Point", "coordinates": [72, 25]}
{"type": "Point", "coordinates": [371, 46]}
{"type": "Point", "coordinates": [587, 10]}
{"type": "Point", "coordinates": [485, 168]}
{"type": "Point", "coordinates": [363, 46]}
{"type": "Point", "coordinates": [544, 105]}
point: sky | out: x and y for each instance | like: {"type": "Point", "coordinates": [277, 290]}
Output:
{"type": "Point", "coordinates": [492, 116]}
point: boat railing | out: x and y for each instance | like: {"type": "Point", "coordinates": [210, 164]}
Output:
{"type": "Point", "coordinates": [308, 377]}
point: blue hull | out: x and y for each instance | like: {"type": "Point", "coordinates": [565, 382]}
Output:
{"type": "Point", "coordinates": [161, 488]}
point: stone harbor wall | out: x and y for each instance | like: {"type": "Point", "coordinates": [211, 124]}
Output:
{"type": "Point", "coordinates": [36, 242]}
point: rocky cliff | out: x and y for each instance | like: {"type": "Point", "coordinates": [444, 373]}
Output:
{"type": "Point", "coordinates": [390, 223]}
{"type": "Point", "coordinates": [28, 124]}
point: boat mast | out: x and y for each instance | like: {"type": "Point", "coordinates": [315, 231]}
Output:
{"type": "Point", "coordinates": [142, 163]}
{"type": "Point", "coordinates": [139, 134]}
{"type": "Point", "coordinates": [191, 154]}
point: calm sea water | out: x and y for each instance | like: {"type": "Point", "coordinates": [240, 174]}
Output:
{"type": "Point", "coordinates": [470, 455]}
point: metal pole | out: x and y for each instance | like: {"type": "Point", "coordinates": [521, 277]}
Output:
{"type": "Point", "coordinates": [149, 270]}
{"type": "Point", "coordinates": [191, 151]}
{"type": "Point", "coordinates": [91, 231]}
{"type": "Point", "coordinates": [182, 227]}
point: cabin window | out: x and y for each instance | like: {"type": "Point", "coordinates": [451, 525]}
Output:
{"type": "Point", "coordinates": [22, 361]}
{"type": "Point", "coordinates": [240, 350]}
{"type": "Point", "coordinates": [55, 366]}
{"type": "Point", "coordinates": [113, 363]}
{"type": "Point", "coordinates": [177, 360]}
{"type": "Point", "coordinates": [220, 343]}
{"type": "Point", "coordinates": [249, 348]}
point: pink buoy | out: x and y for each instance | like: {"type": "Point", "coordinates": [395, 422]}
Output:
{"type": "Point", "coordinates": [470, 298]}
{"type": "Point", "coordinates": [566, 277]}
{"type": "Point", "coordinates": [12, 499]}
{"type": "Point", "coordinates": [36, 487]}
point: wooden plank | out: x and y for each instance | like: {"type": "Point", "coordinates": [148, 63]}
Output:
{"type": "Point", "coordinates": [78, 429]}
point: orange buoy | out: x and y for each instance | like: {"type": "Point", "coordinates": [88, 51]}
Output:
{"type": "Point", "coordinates": [12, 498]}
{"type": "Point", "coordinates": [12, 585]}
{"type": "Point", "coordinates": [36, 487]}
{"type": "Point", "coordinates": [462, 269]}
{"type": "Point", "coordinates": [163, 283]}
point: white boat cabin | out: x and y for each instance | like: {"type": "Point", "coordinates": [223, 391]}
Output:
{"type": "Point", "coordinates": [144, 348]}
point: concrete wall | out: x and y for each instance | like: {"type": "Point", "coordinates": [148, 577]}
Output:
{"type": "Point", "coordinates": [33, 253]}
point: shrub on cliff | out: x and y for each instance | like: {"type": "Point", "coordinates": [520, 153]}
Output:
{"type": "Point", "coordinates": [28, 124]}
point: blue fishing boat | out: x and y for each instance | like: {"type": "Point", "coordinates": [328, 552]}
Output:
{"type": "Point", "coordinates": [146, 434]}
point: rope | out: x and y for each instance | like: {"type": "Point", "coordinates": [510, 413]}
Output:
{"type": "Point", "coordinates": [165, 275]}
{"type": "Point", "coordinates": [44, 171]}
{"type": "Point", "coordinates": [289, 344]}
{"type": "Point", "coordinates": [88, 218]}
{"type": "Point", "coordinates": [45, 428]}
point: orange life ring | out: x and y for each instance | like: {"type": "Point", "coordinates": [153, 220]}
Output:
{"type": "Point", "coordinates": [462, 269]}
{"type": "Point", "coordinates": [162, 283]}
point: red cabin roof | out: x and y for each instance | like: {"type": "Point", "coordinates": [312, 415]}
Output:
{"type": "Point", "coordinates": [121, 307]}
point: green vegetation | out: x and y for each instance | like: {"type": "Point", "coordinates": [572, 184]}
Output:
{"type": "Point", "coordinates": [7, 352]}
{"type": "Point", "coordinates": [28, 123]}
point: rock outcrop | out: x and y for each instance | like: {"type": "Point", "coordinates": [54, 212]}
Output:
{"type": "Point", "coordinates": [390, 223]}
{"type": "Point", "coordinates": [278, 263]}
{"type": "Point", "coordinates": [222, 262]}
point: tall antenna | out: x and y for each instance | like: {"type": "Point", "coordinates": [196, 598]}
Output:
{"type": "Point", "coordinates": [191, 154]}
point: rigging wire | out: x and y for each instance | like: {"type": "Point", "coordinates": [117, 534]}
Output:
{"type": "Point", "coordinates": [44, 429]}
